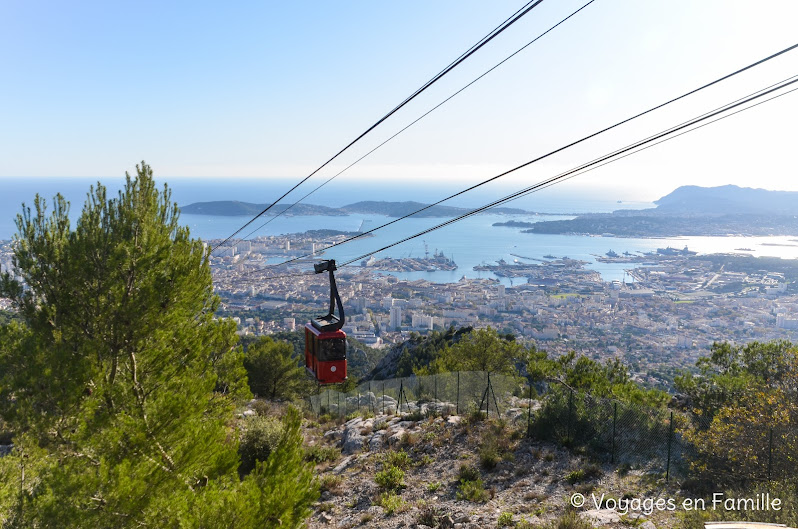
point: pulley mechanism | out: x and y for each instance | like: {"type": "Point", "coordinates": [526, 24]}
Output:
{"type": "Point", "coordinates": [330, 322]}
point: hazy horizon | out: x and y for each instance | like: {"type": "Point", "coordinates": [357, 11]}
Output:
{"type": "Point", "coordinates": [208, 91]}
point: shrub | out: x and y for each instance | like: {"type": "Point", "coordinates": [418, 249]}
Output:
{"type": "Point", "coordinates": [473, 491]}
{"type": "Point", "coordinates": [319, 454]}
{"type": "Point", "coordinates": [468, 473]}
{"type": "Point", "coordinates": [428, 515]}
{"type": "Point", "coordinates": [414, 416]}
{"type": "Point", "coordinates": [260, 438]}
{"type": "Point", "coordinates": [505, 520]}
{"type": "Point", "coordinates": [399, 459]}
{"type": "Point", "coordinates": [262, 408]}
{"type": "Point", "coordinates": [433, 486]}
{"type": "Point", "coordinates": [332, 483]}
{"type": "Point", "coordinates": [575, 476]}
{"type": "Point", "coordinates": [475, 416]}
{"type": "Point", "coordinates": [391, 503]}
{"type": "Point", "coordinates": [489, 455]}
{"type": "Point", "coordinates": [570, 520]}
{"type": "Point", "coordinates": [589, 472]}
{"type": "Point", "coordinates": [426, 459]}
{"type": "Point", "coordinates": [390, 479]}
{"type": "Point", "coordinates": [408, 439]}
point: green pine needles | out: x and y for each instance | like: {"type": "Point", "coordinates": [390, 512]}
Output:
{"type": "Point", "coordinates": [119, 383]}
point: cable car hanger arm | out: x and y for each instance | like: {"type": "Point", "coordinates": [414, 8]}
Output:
{"type": "Point", "coordinates": [330, 322]}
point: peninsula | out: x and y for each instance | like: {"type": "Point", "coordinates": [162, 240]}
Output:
{"type": "Point", "coordinates": [389, 209]}
{"type": "Point", "coordinates": [692, 210]}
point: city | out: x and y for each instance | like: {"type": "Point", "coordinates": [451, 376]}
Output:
{"type": "Point", "coordinates": [667, 315]}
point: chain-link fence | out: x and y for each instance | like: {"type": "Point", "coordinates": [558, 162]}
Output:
{"type": "Point", "coordinates": [445, 393]}
{"type": "Point", "coordinates": [672, 442]}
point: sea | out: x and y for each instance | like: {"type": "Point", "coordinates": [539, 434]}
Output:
{"type": "Point", "coordinates": [470, 242]}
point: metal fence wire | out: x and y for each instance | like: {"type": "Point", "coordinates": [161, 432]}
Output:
{"type": "Point", "coordinates": [445, 393]}
{"type": "Point", "coordinates": [670, 442]}
{"type": "Point", "coordinates": [673, 442]}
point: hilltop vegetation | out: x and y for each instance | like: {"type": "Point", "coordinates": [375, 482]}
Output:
{"type": "Point", "coordinates": [128, 402]}
{"type": "Point", "coordinates": [118, 384]}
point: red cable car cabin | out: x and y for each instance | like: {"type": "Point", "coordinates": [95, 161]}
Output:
{"type": "Point", "coordinates": [325, 342]}
{"type": "Point", "coordinates": [325, 354]}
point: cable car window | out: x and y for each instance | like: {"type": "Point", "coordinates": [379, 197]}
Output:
{"type": "Point", "coordinates": [332, 349]}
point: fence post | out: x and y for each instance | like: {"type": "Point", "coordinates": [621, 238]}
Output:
{"type": "Point", "coordinates": [770, 454]}
{"type": "Point", "coordinates": [436, 386]}
{"type": "Point", "coordinates": [401, 392]}
{"type": "Point", "coordinates": [358, 400]}
{"type": "Point", "coordinates": [529, 412]}
{"type": "Point", "coordinates": [670, 439]}
{"type": "Point", "coordinates": [458, 393]}
{"type": "Point", "coordinates": [338, 396]}
{"type": "Point", "coordinates": [370, 394]}
{"type": "Point", "coordinates": [383, 397]}
{"type": "Point", "coordinates": [484, 396]}
{"type": "Point", "coordinates": [614, 421]}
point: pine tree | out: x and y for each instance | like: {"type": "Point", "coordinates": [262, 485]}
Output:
{"type": "Point", "coordinates": [109, 383]}
{"type": "Point", "coordinates": [273, 371]}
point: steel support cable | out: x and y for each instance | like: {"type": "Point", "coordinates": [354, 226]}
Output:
{"type": "Point", "coordinates": [560, 177]}
{"type": "Point", "coordinates": [556, 151]}
{"type": "Point", "coordinates": [675, 136]}
{"type": "Point", "coordinates": [425, 114]}
{"type": "Point", "coordinates": [634, 148]}
{"type": "Point", "coordinates": [473, 49]}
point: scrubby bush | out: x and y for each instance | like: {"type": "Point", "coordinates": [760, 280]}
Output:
{"type": "Point", "coordinates": [428, 515]}
{"type": "Point", "coordinates": [391, 503]}
{"type": "Point", "coordinates": [489, 452]}
{"type": "Point", "coordinates": [399, 459]}
{"type": "Point", "coordinates": [473, 491]}
{"type": "Point", "coordinates": [260, 438]}
{"type": "Point", "coordinates": [390, 479]}
{"type": "Point", "coordinates": [468, 473]}
{"type": "Point", "coordinates": [332, 483]}
{"type": "Point", "coordinates": [320, 454]}
{"type": "Point", "coordinates": [505, 520]}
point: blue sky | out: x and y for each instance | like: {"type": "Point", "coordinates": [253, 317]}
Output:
{"type": "Point", "coordinates": [272, 89]}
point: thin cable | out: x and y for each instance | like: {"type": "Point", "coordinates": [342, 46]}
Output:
{"type": "Point", "coordinates": [428, 112]}
{"type": "Point", "coordinates": [634, 148]}
{"type": "Point", "coordinates": [490, 36]}
{"type": "Point", "coordinates": [551, 153]}
{"type": "Point", "coordinates": [546, 182]}
{"type": "Point", "coordinates": [658, 142]}
{"type": "Point", "coordinates": [675, 127]}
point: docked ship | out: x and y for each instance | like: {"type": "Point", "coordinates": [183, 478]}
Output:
{"type": "Point", "coordinates": [673, 251]}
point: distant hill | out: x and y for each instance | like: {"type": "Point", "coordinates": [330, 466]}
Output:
{"type": "Point", "coordinates": [722, 200]}
{"type": "Point", "coordinates": [234, 208]}
{"type": "Point", "coordinates": [390, 209]}
{"type": "Point", "coordinates": [693, 210]}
